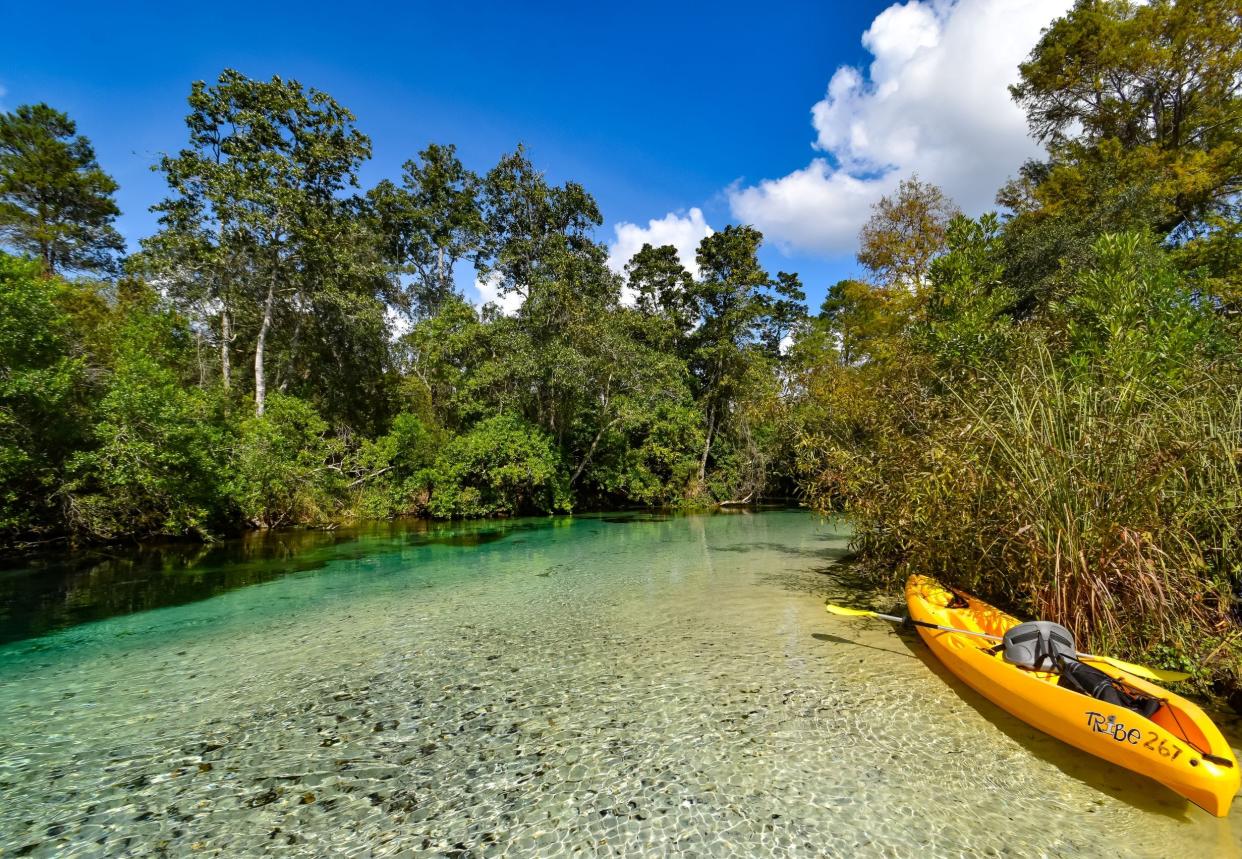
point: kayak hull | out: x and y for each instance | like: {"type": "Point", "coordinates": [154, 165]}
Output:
{"type": "Point", "coordinates": [1170, 747]}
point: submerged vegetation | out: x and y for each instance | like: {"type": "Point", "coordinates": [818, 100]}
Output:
{"type": "Point", "coordinates": [1040, 404]}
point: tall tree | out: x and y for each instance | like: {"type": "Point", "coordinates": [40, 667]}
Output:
{"type": "Point", "coordinates": [730, 303]}
{"type": "Point", "coordinates": [904, 233]}
{"type": "Point", "coordinates": [539, 242]}
{"type": "Point", "coordinates": [55, 201]}
{"type": "Point", "coordinates": [1140, 107]}
{"type": "Point", "coordinates": [1163, 72]}
{"type": "Point", "coordinates": [430, 222]}
{"type": "Point", "coordinates": [662, 290]}
{"type": "Point", "coordinates": [862, 319]}
{"type": "Point", "coordinates": [785, 310]}
{"type": "Point", "coordinates": [256, 207]}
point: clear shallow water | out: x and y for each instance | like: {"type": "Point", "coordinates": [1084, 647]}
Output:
{"type": "Point", "coordinates": [628, 685]}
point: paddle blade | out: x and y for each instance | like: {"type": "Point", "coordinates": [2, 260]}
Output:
{"type": "Point", "coordinates": [849, 612]}
{"type": "Point", "coordinates": [1157, 674]}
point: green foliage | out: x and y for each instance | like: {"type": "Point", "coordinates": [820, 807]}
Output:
{"type": "Point", "coordinates": [1096, 505]}
{"type": "Point", "coordinates": [286, 467]}
{"type": "Point", "coordinates": [40, 389]}
{"type": "Point", "coordinates": [156, 462]}
{"type": "Point", "coordinates": [650, 458]}
{"type": "Point", "coordinates": [968, 322]}
{"type": "Point", "coordinates": [503, 466]}
{"type": "Point", "coordinates": [266, 259]}
{"type": "Point", "coordinates": [394, 468]}
{"type": "Point", "coordinates": [862, 318]}
{"type": "Point", "coordinates": [1132, 314]}
{"type": "Point", "coordinates": [1083, 469]}
{"type": "Point", "coordinates": [1053, 419]}
{"type": "Point", "coordinates": [732, 306]}
{"type": "Point", "coordinates": [538, 247]}
{"type": "Point", "coordinates": [1140, 108]}
{"type": "Point", "coordinates": [429, 223]}
{"type": "Point", "coordinates": [904, 234]}
{"type": "Point", "coordinates": [662, 293]}
{"type": "Point", "coordinates": [55, 201]}
{"type": "Point", "coordinates": [256, 235]}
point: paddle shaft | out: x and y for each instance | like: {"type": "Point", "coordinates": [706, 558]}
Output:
{"type": "Point", "coordinates": [1090, 657]}
{"type": "Point", "coordinates": [895, 619]}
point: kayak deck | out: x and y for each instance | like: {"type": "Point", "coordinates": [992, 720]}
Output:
{"type": "Point", "coordinates": [1179, 745]}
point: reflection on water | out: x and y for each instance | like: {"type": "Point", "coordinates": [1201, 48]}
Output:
{"type": "Point", "coordinates": [44, 593]}
{"type": "Point", "coordinates": [528, 688]}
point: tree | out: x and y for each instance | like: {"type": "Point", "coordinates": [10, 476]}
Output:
{"type": "Point", "coordinates": [1163, 72]}
{"type": "Point", "coordinates": [540, 245]}
{"type": "Point", "coordinates": [539, 241]}
{"type": "Point", "coordinates": [785, 311]}
{"type": "Point", "coordinates": [158, 462]}
{"type": "Point", "coordinates": [662, 290]}
{"type": "Point", "coordinates": [40, 388]}
{"type": "Point", "coordinates": [55, 201]}
{"type": "Point", "coordinates": [255, 228]}
{"type": "Point", "coordinates": [731, 305]}
{"type": "Point", "coordinates": [286, 466]}
{"type": "Point", "coordinates": [430, 222]}
{"type": "Point", "coordinates": [1140, 106]}
{"type": "Point", "coordinates": [904, 233]}
{"type": "Point", "coordinates": [967, 320]}
{"type": "Point", "coordinates": [504, 466]}
{"type": "Point", "coordinates": [862, 318]}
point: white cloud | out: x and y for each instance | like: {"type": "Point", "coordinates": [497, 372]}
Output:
{"type": "Point", "coordinates": [934, 101]}
{"type": "Point", "coordinates": [683, 232]}
{"type": "Point", "coordinates": [488, 290]}
{"type": "Point", "coordinates": [815, 208]}
{"type": "Point", "coordinates": [399, 322]}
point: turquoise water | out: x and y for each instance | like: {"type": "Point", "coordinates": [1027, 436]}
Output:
{"type": "Point", "coordinates": [608, 685]}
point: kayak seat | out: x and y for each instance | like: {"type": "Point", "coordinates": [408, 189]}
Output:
{"type": "Point", "coordinates": [1038, 645]}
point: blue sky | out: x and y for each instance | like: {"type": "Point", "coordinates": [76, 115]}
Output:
{"type": "Point", "coordinates": [656, 108]}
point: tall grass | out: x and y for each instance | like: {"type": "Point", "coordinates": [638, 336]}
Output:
{"type": "Point", "coordinates": [1109, 505]}
{"type": "Point", "coordinates": [1114, 501]}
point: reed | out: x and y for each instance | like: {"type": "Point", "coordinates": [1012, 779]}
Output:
{"type": "Point", "coordinates": [1108, 502]}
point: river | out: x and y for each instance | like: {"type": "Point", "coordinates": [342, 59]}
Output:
{"type": "Point", "coordinates": [628, 684]}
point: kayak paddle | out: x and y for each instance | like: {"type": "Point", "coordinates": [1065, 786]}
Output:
{"type": "Point", "coordinates": [1158, 674]}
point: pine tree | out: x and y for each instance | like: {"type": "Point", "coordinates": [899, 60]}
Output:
{"type": "Point", "coordinates": [55, 201]}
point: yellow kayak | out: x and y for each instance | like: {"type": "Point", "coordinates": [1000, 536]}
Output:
{"type": "Point", "coordinates": [1178, 745]}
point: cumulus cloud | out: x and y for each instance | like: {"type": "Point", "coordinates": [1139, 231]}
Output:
{"type": "Point", "coordinates": [683, 232]}
{"type": "Point", "coordinates": [488, 291]}
{"type": "Point", "coordinates": [934, 101]}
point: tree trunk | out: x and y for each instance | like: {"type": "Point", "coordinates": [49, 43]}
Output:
{"type": "Point", "coordinates": [591, 451]}
{"type": "Point", "coordinates": [260, 382]}
{"type": "Point", "coordinates": [707, 447]}
{"type": "Point", "coordinates": [439, 275]}
{"type": "Point", "coordinates": [226, 337]}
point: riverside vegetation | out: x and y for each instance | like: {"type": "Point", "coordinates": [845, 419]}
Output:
{"type": "Point", "coordinates": [1040, 404]}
